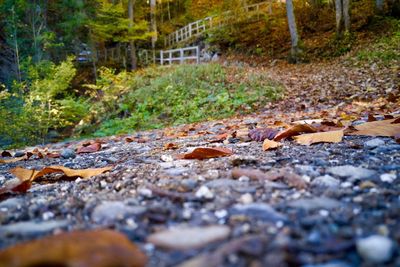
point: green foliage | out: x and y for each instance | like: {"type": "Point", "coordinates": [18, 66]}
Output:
{"type": "Point", "coordinates": [40, 104]}
{"type": "Point", "coordinates": [183, 94]}
{"type": "Point", "coordinates": [386, 49]}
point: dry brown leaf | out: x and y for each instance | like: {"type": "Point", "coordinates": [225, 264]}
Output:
{"type": "Point", "coordinates": [6, 153]}
{"type": "Point", "coordinates": [378, 128]}
{"type": "Point", "coordinates": [324, 137]}
{"type": "Point", "coordinates": [26, 176]}
{"type": "Point", "coordinates": [206, 153]}
{"type": "Point", "coordinates": [89, 149]}
{"type": "Point", "coordinates": [170, 146]}
{"type": "Point", "coordinates": [100, 248]}
{"type": "Point", "coordinates": [295, 130]}
{"type": "Point", "coordinates": [270, 144]}
{"type": "Point", "coordinates": [12, 160]}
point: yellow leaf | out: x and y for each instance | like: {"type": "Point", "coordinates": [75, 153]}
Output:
{"type": "Point", "coordinates": [270, 144]}
{"type": "Point", "coordinates": [12, 160]}
{"type": "Point", "coordinates": [324, 137]}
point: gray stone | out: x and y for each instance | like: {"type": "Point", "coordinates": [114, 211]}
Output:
{"type": "Point", "coordinates": [67, 153]}
{"type": "Point", "coordinates": [111, 211]}
{"type": "Point", "coordinates": [307, 170]}
{"type": "Point", "coordinates": [330, 264]}
{"type": "Point", "coordinates": [11, 203]}
{"type": "Point", "coordinates": [226, 183]}
{"type": "Point", "coordinates": [315, 203]}
{"type": "Point", "coordinates": [176, 171]}
{"type": "Point", "coordinates": [19, 154]}
{"type": "Point", "coordinates": [375, 248]}
{"type": "Point", "coordinates": [374, 143]}
{"type": "Point", "coordinates": [31, 227]}
{"type": "Point", "coordinates": [184, 238]}
{"type": "Point", "coordinates": [260, 211]}
{"type": "Point", "coordinates": [351, 171]}
{"type": "Point", "coordinates": [326, 181]}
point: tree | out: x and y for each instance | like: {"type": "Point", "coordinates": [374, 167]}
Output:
{"type": "Point", "coordinates": [131, 4]}
{"type": "Point", "coordinates": [342, 17]}
{"type": "Point", "coordinates": [295, 50]}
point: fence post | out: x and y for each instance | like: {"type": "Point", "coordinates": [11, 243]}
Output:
{"type": "Point", "coordinates": [197, 55]}
{"type": "Point", "coordinates": [162, 57]}
{"type": "Point", "coordinates": [181, 56]}
{"type": "Point", "coordinates": [170, 57]}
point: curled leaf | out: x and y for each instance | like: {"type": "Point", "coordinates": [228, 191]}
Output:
{"type": "Point", "coordinates": [261, 134]}
{"type": "Point", "coordinates": [378, 128]}
{"type": "Point", "coordinates": [206, 153]}
{"type": "Point", "coordinates": [295, 130]}
{"type": "Point", "coordinates": [324, 137]}
{"type": "Point", "coordinates": [99, 248]}
{"type": "Point", "coordinates": [270, 144]}
{"type": "Point", "coordinates": [89, 148]}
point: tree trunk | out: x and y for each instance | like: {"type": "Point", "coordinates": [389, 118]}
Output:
{"type": "Point", "coordinates": [293, 31]}
{"type": "Point", "coordinates": [153, 27]}
{"type": "Point", "coordinates": [339, 17]}
{"type": "Point", "coordinates": [133, 57]}
{"type": "Point", "coordinates": [342, 17]}
{"type": "Point", "coordinates": [346, 15]}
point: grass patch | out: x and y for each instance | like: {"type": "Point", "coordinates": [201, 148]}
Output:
{"type": "Point", "coordinates": [184, 94]}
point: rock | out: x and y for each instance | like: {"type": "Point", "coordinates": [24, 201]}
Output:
{"type": "Point", "coordinates": [260, 211]}
{"type": "Point", "coordinates": [330, 264]}
{"type": "Point", "coordinates": [315, 203]}
{"type": "Point", "coordinates": [67, 153]}
{"type": "Point", "coordinates": [307, 170]}
{"type": "Point", "coordinates": [326, 181]}
{"type": "Point", "coordinates": [110, 211]}
{"type": "Point", "coordinates": [388, 177]}
{"type": "Point", "coordinates": [374, 143]}
{"type": "Point", "coordinates": [375, 248]}
{"type": "Point", "coordinates": [176, 171]}
{"type": "Point", "coordinates": [11, 203]}
{"type": "Point", "coordinates": [32, 227]}
{"type": "Point", "coordinates": [19, 154]}
{"type": "Point", "coordinates": [225, 183]}
{"type": "Point", "coordinates": [351, 171]}
{"type": "Point", "coordinates": [246, 199]}
{"type": "Point", "coordinates": [204, 193]}
{"type": "Point", "coordinates": [184, 238]}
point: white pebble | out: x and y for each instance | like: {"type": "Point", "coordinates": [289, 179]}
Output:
{"type": "Point", "coordinates": [204, 192]}
{"type": "Point", "coordinates": [375, 248]}
{"type": "Point", "coordinates": [388, 177]}
{"type": "Point", "coordinates": [246, 199]}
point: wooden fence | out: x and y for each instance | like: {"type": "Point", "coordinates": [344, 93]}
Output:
{"type": "Point", "coordinates": [198, 27]}
{"type": "Point", "coordinates": [180, 55]}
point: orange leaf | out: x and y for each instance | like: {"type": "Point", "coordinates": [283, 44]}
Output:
{"type": "Point", "coordinates": [295, 130]}
{"type": "Point", "coordinates": [26, 176]}
{"type": "Point", "coordinates": [89, 149]}
{"type": "Point", "coordinates": [206, 153]}
{"type": "Point", "coordinates": [378, 128]}
{"type": "Point", "coordinates": [270, 144]}
{"type": "Point", "coordinates": [324, 137]}
{"type": "Point", "coordinates": [100, 248]}
{"type": "Point", "coordinates": [170, 146]}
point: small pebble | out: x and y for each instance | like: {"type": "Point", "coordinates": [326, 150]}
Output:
{"type": "Point", "coordinates": [67, 153]}
{"type": "Point", "coordinates": [388, 177]}
{"type": "Point", "coordinates": [375, 249]}
{"type": "Point", "coordinates": [246, 199]}
{"type": "Point", "coordinates": [204, 192]}
{"type": "Point", "coordinates": [374, 143]}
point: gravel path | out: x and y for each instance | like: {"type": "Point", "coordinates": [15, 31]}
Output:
{"type": "Point", "coordinates": [336, 205]}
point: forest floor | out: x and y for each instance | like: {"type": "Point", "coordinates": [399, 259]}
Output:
{"type": "Point", "coordinates": [327, 204]}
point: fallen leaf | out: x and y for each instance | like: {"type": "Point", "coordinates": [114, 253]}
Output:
{"type": "Point", "coordinates": [53, 155]}
{"type": "Point", "coordinates": [5, 153]}
{"type": "Point", "coordinates": [219, 138]}
{"type": "Point", "coordinates": [206, 153]}
{"type": "Point", "coordinates": [295, 130]}
{"type": "Point", "coordinates": [378, 128]}
{"type": "Point", "coordinates": [324, 137]}
{"type": "Point", "coordinates": [100, 248]}
{"type": "Point", "coordinates": [261, 134]}
{"type": "Point", "coordinates": [12, 160]}
{"type": "Point", "coordinates": [89, 149]}
{"type": "Point", "coordinates": [170, 146]}
{"type": "Point", "coordinates": [26, 176]}
{"type": "Point", "coordinates": [270, 144]}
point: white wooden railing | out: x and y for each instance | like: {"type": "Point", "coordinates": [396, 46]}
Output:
{"type": "Point", "coordinates": [180, 55]}
{"type": "Point", "coordinates": [198, 27]}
